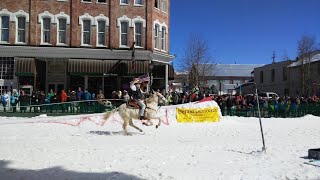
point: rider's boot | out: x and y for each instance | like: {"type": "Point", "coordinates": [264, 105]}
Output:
{"type": "Point", "coordinates": [142, 118]}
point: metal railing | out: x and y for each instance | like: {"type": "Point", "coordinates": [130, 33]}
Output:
{"type": "Point", "coordinates": [71, 107]}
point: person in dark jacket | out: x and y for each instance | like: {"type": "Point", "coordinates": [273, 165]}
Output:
{"type": "Point", "coordinates": [24, 101]}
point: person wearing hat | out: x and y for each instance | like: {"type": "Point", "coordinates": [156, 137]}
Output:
{"type": "Point", "coordinates": [138, 96]}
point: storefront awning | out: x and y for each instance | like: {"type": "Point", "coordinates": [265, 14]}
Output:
{"type": "Point", "coordinates": [25, 67]}
{"type": "Point", "coordinates": [85, 67]}
{"type": "Point", "coordinates": [101, 67]}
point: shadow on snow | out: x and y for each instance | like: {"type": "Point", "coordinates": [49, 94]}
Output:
{"type": "Point", "coordinates": [58, 173]}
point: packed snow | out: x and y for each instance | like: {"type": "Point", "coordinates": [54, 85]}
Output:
{"type": "Point", "coordinates": [79, 147]}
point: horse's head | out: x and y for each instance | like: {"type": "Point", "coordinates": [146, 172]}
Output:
{"type": "Point", "coordinates": [156, 97]}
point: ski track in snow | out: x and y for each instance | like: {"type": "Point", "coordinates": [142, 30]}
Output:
{"type": "Point", "coordinates": [229, 149]}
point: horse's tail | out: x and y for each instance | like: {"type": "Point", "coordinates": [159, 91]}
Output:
{"type": "Point", "coordinates": [109, 113]}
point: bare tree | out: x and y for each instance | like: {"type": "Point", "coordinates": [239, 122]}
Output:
{"type": "Point", "coordinates": [197, 61]}
{"type": "Point", "coordinates": [306, 47]}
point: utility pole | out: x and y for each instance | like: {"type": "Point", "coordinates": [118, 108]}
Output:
{"type": "Point", "coordinates": [273, 57]}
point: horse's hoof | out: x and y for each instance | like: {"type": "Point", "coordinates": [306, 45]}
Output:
{"type": "Point", "coordinates": [157, 126]}
{"type": "Point", "coordinates": [140, 130]}
{"type": "Point", "coordinates": [145, 124]}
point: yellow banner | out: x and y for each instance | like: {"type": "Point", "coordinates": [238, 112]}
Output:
{"type": "Point", "coordinates": [188, 115]}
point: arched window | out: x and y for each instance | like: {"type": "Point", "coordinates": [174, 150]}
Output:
{"type": "Point", "coordinates": [62, 21]}
{"type": "Point", "coordinates": [163, 38]}
{"type": "Point", "coordinates": [124, 28]}
{"type": "Point", "coordinates": [156, 4]}
{"type": "Point", "coordinates": [156, 36]}
{"type": "Point", "coordinates": [102, 23]}
{"type": "Point", "coordinates": [124, 23]}
{"type": "Point", "coordinates": [139, 24]}
{"type": "Point", "coordinates": [21, 18]}
{"type": "Point", "coordinates": [164, 5]}
{"type": "Point", "coordinates": [101, 33]}
{"type": "Point", "coordinates": [4, 28]}
{"type": "Point", "coordinates": [86, 22]}
{"type": "Point", "coordinates": [46, 19]}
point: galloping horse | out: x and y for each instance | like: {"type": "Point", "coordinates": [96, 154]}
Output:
{"type": "Point", "coordinates": [128, 114]}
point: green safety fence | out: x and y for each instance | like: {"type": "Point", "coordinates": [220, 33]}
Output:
{"type": "Point", "coordinates": [279, 111]}
{"type": "Point", "coordinates": [27, 109]}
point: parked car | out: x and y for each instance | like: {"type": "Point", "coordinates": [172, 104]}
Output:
{"type": "Point", "coordinates": [268, 95]}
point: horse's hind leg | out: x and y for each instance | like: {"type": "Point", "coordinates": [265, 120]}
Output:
{"type": "Point", "coordinates": [131, 124]}
{"type": "Point", "coordinates": [125, 127]}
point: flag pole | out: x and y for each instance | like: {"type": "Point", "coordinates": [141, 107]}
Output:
{"type": "Point", "coordinates": [261, 129]}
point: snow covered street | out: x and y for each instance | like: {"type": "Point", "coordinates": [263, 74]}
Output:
{"type": "Point", "coordinates": [51, 149]}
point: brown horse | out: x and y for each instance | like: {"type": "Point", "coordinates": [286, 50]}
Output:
{"type": "Point", "coordinates": [128, 114]}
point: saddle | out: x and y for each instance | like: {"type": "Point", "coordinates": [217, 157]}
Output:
{"type": "Point", "coordinates": [133, 104]}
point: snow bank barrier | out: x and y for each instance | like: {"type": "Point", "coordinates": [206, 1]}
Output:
{"type": "Point", "coordinates": [207, 111]}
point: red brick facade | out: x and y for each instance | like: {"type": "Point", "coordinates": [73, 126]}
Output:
{"type": "Point", "coordinates": [76, 8]}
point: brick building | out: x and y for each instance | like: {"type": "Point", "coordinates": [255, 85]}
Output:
{"type": "Point", "coordinates": [63, 44]}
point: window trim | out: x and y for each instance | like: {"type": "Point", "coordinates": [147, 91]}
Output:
{"type": "Point", "coordinates": [16, 15]}
{"type": "Point", "coordinates": [86, 16]}
{"type": "Point", "coordinates": [45, 14]}
{"type": "Point", "coordinates": [124, 4]}
{"type": "Point", "coordinates": [101, 2]}
{"type": "Point", "coordinates": [138, 5]}
{"type": "Point", "coordinates": [86, 2]}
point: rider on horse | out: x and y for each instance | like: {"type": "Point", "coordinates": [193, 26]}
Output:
{"type": "Point", "coordinates": [138, 95]}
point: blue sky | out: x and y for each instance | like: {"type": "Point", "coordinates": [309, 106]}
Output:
{"type": "Point", "coordinates": [244, 31]}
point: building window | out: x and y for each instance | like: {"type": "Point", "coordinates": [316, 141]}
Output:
{"type": "Point", "coordinates": [86, 0]}
{"type": "Point", "coordinates": [4, 22]}
{"type": "Point", "coordinates": [284, 73]}
{"type": "Point", "coordinates": [124, 2]}
{"type": "Point", "coordinates": [163, 39]}
{"type": "Point", "coordinates": [86, 32]}
{"type": "Point", "coordinates": [62, 31]}
{"type": "Point", "coordinates": [164, 5]}
{"type": "Point", "coordinates": [138, 34]}
{"type": "Point", "coordinates": [124, 33]}
{"type": "Point", "coordinates": [46, 30]}
{"type": "Point", "coordinates": [156, 36]}
{"type": "Point", "coordinates": [273, 75]}
{"type": "Point", "coordinates": [261, 77]}
{"type": "Point", "coordinates": [156, 4]}
{"type": "Point", "coordinates": [102, 1]}
{"type": "Point", "coordinates": [6, 67]}
{"type": "Point", "coordinates": [138, 2]}
{"type": "Point", "coordinates": [101, 33]}
{"type": "Point", "coordinates": [21, 29]}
